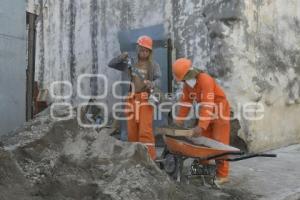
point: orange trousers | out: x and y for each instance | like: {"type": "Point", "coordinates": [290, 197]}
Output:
{"type": "Point", "coordinates": [219, 129]}
{"type": "Point", "coordinates": [139, 121]}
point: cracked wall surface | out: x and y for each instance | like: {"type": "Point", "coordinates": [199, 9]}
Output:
{"type": "Point", "coordinates": [251, 47]}
{"type": "Point", "coordinates": [80, 37]}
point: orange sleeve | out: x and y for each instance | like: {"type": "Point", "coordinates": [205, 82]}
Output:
{"type": "Point", "coordinates": [184, 109]}
{"type": "Point", "coordinates": [207, 101]}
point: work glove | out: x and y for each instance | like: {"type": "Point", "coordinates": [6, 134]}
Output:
{"type": "Point", "coordinates": [197, 131]}
{"type": "Point", "coordinates": [149, 84]}
{"type": "Point", "coordinates": [124, 56]}
{"type": "Point", "coordinates": [177, 124]}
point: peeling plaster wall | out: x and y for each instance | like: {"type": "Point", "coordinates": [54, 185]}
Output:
{"type": "Point", "coordinates": [251, 47]}
{"type": "Point", "coordinates": [80, 37]}
{"type": "Point", "coordinates": [273, 43]}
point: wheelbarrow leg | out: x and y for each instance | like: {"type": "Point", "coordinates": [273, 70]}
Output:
{"type": "Point", "coordinates": [179, 168]}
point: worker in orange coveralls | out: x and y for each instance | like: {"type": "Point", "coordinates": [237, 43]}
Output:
{"type": "Point", "coordinates": [138, 110]}
{"type": "Point", "coordinates": [214, 109]}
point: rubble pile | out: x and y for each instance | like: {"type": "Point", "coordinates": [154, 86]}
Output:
{"type": "Point", "coordinates": [49, 159]}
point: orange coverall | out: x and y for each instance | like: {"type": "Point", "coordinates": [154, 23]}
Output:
{"type": "Point", "coordinates": [139, 122]}
{"type": "Point", "coordinates": [214, 112]}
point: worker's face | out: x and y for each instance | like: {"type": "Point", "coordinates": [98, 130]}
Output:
{"type": "Point", "coordinates": [143, 53]}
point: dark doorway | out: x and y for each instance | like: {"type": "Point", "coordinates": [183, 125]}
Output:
{"type": "Point", "coordinates": [30, 70]}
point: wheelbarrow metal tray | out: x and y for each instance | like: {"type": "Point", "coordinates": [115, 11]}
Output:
{"type": "Point", "coordinates": [200, 147]}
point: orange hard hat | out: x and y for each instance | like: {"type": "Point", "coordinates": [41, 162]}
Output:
{"type": "Point", "coordinates": [180, 68]}
{"type": "Point", "coordinates": [145, 41]}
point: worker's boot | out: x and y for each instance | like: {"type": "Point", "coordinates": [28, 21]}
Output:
{"type": "Point", "coordinates": [221, 180]}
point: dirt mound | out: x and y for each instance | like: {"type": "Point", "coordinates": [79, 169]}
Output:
{"type": "Point", "coordinates": [47, 159]}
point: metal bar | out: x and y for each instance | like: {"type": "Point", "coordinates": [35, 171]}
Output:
{"type": "Point", "coordinates": [170, 77]}
{"type": "Point", "coordinates": [251, 156]}
{"type": "Point", "coordinates": [152, 97]}
{"type": "Point", "coordinates": [134, 69]}
{"type": "Point", "coordinates": [224, 154]}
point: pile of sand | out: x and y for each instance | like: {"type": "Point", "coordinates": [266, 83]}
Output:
{"type": "Point", "coordinates": [48, 159]}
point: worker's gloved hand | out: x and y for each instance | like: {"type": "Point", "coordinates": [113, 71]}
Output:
{"type": "Point", "coordinates": [177, 123]}
{"type": "Point", "coordinates": [197, 131]}
{"type": "Point", "coordinates": [124, 56]}
{"type": "Point", "coordinates": [149, 84]}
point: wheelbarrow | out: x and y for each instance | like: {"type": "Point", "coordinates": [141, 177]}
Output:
{"type": "Point", "coordinates": [179, 146]}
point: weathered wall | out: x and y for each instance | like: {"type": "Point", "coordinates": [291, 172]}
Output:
{"type": "Point", "coordinates": [80, 37]}
{"type": "Point", "coordinates": [273, 48]}
{"type": "Point", "coordinates": [13, 64]}
{"type": "Point", "coordinates": [251, 46]}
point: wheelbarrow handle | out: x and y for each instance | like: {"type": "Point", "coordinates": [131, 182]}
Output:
{"type": "Point", "coordinates": [247, 156]}
{"type": "Point", "coordinates": [239, 153]}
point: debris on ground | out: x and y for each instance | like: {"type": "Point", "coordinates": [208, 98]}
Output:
{"type": "Point", "coordinates": [50, 159]}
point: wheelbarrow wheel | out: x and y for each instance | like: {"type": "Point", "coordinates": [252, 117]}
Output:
{"type": "Point", "coordinates": [170, 164]}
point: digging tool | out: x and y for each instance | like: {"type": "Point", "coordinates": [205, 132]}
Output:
{"type": "Point", "coordinates": [156, 95]}
{"type": "Point", "coordinates": [152, 98]}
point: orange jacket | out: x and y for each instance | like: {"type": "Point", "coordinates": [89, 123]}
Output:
{"type": "Point", "coordinates": [206, 92]}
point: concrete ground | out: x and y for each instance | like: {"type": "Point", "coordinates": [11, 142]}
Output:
{"type": "Point", "coordinates": [265, 178]}
{"type": "Point", "coordinates": [269, 178]}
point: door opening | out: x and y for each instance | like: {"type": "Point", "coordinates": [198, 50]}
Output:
{"type": "Point", "coordinates": [30, 70]}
